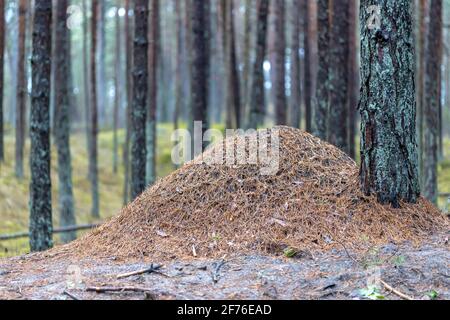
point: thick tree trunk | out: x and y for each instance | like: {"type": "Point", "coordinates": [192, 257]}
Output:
{"type": "Point", "coordinates": [339, 52]}
{"type": "Point", "coordinates": [295, 102]}
{"type": "Point", "coordinates": [21, 90]}
{"type": "Point", "coordinates": [139, 107]}
{"type": "Point", "coordinates": [40, 186]}
{"type": "Point", "coordinates": [388, 106]}
{"type": "Point", "coordinates": [152, 92]}
{"type": "Point", "coordinates": [422, 40]}
{"type": "Point", "coordinates": [62, 121]}
{"type": "Point", "coordinates": [257, 99]}
{"type": "Point", "coordinates": [432, 104]}
{"type": "Point", "coordinates": [322, 104]}
{"type": "Point", "coordinates": [129, 88]}
{"type": "Point", "coordinates": [2, 52]}
{"type": "Point", "coordinates": [279, 66]}
{"type": "Point", "coordinates": [200, 63]}
{"type": "Point", "coordinates": [93, 161]}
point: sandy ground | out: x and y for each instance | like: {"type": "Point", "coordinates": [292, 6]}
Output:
{"type": "Point", "coordinates": [419, 273]}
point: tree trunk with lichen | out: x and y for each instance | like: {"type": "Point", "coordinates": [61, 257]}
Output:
{"type": "Point", "coordinates": [139, 107]}
{"type": "Point", "coordinates": [387, 105]}
{"type": "Point", "coordinates": [432, 100]}
{"type": "Point", "coordinates": [62, 120]}
{"type": "Point", "coordinates": [257, 100]}
{"type": "Point", "coordinates": [41, 227]}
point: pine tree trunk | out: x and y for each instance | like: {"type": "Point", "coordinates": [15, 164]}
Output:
{"type": "Point", "coordinates": [152, 92]}
{"type": "Point", "coordinates": [308, 87]}
{"type": "Point", "coordinates": [86, 79]}
{"type": "Point", "coordinates": [100, 58]}
{"type": "Point", "coordinates": [200, 63]}
{"type": "Point", "coordinates": [233, 79]}
{"type": "Point", "coordinates": [279, 66]}
{"type": "Point", "coordinates": [62, 74]}
{"type": "Point", "coordinates": [117, 91]}
{"type": "Point", "coordinates": [339, 52]}
{"type": "Point", "coordinates": [432, 104]}
{"type": "Point", "coordinates": [93, 161]}
{"type": "Point", "coordinates": [295, 114]}
{"type": "Point", "coordinates": [353, 79]}
{"type": "Point", "coordinates": [139, 107]}
{"type": "Point", "coordinates": [129, 88]}
{"type": "Point", "coordinates": [322, 104]}
{"type": "Point", "coordinates": [422, 40]}
{"type": "Point", "coordinates": [2, 51]}
{"type": "Point", "coordinates": [257, 92]}
{"type": "Point", "coordinates": [388, 106]}
{"type": "Point", "coordinates": [21, 90]}
{"type": "Point", "coordinates": [178, 67]}
{"type": "Point", "coordinates": [40, 186]}
{"type": "Point", "coordinates": [246, 60]}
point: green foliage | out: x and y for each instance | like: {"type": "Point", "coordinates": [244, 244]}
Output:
{"type": "Point", "coordinates": [433, 294]}
{"type": "Point", "coordinates": [372, 293]}
{"type": "Point", "coordinates": [289, 252]}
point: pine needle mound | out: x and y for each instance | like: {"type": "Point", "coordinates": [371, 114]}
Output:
{"type": "Point", "coordinates": [312, 203]}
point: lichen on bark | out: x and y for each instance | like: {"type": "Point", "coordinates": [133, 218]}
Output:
{"type": "Point", "coordinates": [388, 107]}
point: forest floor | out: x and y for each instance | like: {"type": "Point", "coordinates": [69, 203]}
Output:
{"type": "Point", "coordinates": [418, 273]}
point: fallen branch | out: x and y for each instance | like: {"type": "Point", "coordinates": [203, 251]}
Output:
{"type": "Point", "coordinates": [401, 295]}
{"type": "Point", "coordinates": [55, 231]}
{"type": "Point", "coordinates": [215, 273]}
{"type": "Point", "coordinates": [71, 296]}
{"type": "Point", "coordinates": [153, 269]}
{"type": "Point", "coordinates": [117, 289]}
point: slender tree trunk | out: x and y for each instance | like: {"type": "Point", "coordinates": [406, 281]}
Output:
{"type": "Point", "coordinates": [308, 87]}
{"type": "Point", "coordinates": [200, 63]}
{"type": "Point", "coordinates": [129, 77]}
{"type": "Point", "coordinates": [139, 107]}
{"type": "Point", "coordinates": [247, 59]}
{"type": "Point", "coordinates": [353, 79]}
{"type": "Point", "coordinates": [40, 187]}
{"type": "Point", "coordinates": [387, 106]}
{"type": "Point", "coordinates": [100, 65]}
{"type": "Point", "coordinates": [295, 114]}
{"type": "Point", "coordinates": [21, 89]}
{"type": "Point", "coordinates": [233, 79]}
{"type": "Point", "coordinates": [433, 101]}
{"type": "Point", "coordinates": [178, 67]}
{"type": "Point", "coordinates": [117, 91]}
{"type": "Point", "coordinates": [62, 74]}
{"type": "Point", "coordinates": [86, 87]}
{"type": "Point", "coordinates": [323, 81]}
{"type": "Point", "coordinates": [257, 99]}
{"type": "Point", "coordinates": [279, 66]}
{"type": "Point", "coordinates": [339, 52]}
{"type": "Point", "coordinates": [93, 163]}
{"type": "Point", "coordinates": [152, 92]}
{"type": "Point", "coordinates": [2, 52]}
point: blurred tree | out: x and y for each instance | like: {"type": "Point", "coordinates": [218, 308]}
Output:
{"type": "Point", "coordinates": [432, 98]}
{"type": "Point", "coordinates": [62, 74]}
{"type": "Point", "coordinates": [2, 51]}
{"type": "Point", "coordinates": [93, 147]}
{"type": "Point", "coordinates": [279, 67]}
{"type": "Point", "coordinates": [117, 87]}
{"type": "Point", "coordinates": [41, 227]}
{"type": "Point", "coordinates": [21, 89]}
{"type": "Point", "coordinates": [295, 102]}
{"type": "Point", "coordinates": [388, 133]}
{"type": "Point", "coordinates": [257, 92]}
{"type": "Point", "coordinates": [308, 73]}
{"type": "Point", "coordinates": [129, 91]}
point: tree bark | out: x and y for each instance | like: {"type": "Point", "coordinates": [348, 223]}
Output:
{"type": "Point", "coordinates": [62, 120]}
{"type": "Point", "coordinates": [295, 114]}
{"type": "Point", "coordinates": [139, 107]}
{"type": "Point", "coordinates": [129, 88]}
{"type": "Point", "coordinates": [322, 105]}
{"type": "Point", "coordinates": [21, 90]}
{"type": "Point", "coordinates": [257, 99]}
{"type": "Point", "coordinates": [86, 87]}
{"type": "Point", "coordinates": [432, 104]}
{"type": "Point", "coordinates": [339, 52]}
{"type": "Point", "coordinates": [93, 161]}
{"type": "Point", "coordinates": [308, 86]}
{"type": "Point", "coordinates": [246, 60]}
{"type": "Point", "coordinates": [387, 105]}
{"type": "Point", "coordinates": [152, 92]}
{"type": "Point", "coordinates": [279, 66]}
{"type": "Point", "coordinates": [200, 63]}
{"type": "Point", "coordinates": [117, 90]}
{"type": "Point", "coordinates": [40, 186]}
